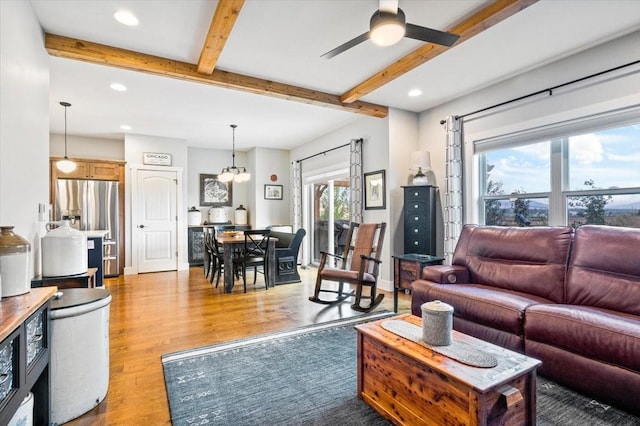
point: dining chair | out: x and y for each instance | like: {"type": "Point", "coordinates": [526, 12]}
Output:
{"type": "Point", "coordinates": [254, 254]}
{"type": "Point", "coordinates": [217, 261]}
{"type": "Point", "coordinates": [207, 263]}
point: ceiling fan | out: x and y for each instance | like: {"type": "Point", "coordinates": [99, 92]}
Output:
{"type": "Point", "coordinates": [388, 25]}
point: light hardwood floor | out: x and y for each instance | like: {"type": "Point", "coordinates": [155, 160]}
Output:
{"type": "Point", "coordinates": [157, 313]}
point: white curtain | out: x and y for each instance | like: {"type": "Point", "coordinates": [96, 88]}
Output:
{"type": "Point", "coordinates": [355, 180]}
{"type": "Point", "coordinates": [296, 194]}
{"type": "Point", "coordinates": [453, 212]}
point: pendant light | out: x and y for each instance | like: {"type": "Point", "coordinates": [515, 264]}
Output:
{"type": "Point", "coordinates": [233, 173]}
{"type": "Point", "coordinates": [65, 165]}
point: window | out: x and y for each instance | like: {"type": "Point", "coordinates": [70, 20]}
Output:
{"type": "Point", "coordinates": [588, 177]}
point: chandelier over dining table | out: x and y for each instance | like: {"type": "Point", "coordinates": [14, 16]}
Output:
{"type": "Point", "coordinates": [233, 173]}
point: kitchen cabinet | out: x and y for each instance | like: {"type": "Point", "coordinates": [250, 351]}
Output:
{"type": "Point", "coordinates": [25, 353]}
{"type": "Point", "coordinates": [419, 215]}
{"type": "Point", "coordinates": [89, 169]}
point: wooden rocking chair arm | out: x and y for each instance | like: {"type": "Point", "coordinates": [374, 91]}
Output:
{"type": "Point", "coordinates": [326, 253]}
{"type": "Point", "coordinates": [365, 257]}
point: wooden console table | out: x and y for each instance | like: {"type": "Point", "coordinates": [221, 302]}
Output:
{"type": "Point", "coordinates": [87, 280]}
{"type": "Point", "coordinates": [408, 268]}
{"type": "Point", "coordinates": [409, 383]}
{"type": "Point", "coordinates": [24, 335]}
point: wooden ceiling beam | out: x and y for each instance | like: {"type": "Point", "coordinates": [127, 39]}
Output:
{"type": "Point", "coordinates": [487, 17]}
{"type": "Point", "coordinates": [222, 23]}
{"type": "Point", "coordinates": [71, 48]}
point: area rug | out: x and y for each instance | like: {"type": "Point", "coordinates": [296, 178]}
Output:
{"type": "Point", "coordinates": [307, 376]}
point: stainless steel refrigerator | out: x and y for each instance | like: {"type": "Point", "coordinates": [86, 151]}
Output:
{"type": "Point", "coordinates": [92, 205]}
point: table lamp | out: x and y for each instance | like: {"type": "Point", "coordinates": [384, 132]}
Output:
{"type": "Point", "coordinates": [420, 161]}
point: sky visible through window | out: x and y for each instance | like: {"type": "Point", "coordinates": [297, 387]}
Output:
{"type": "Point", "coordinates": [610, 158]}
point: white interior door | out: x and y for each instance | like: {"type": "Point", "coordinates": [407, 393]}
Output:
{"type": "Point", "coordinates": [157, 220]}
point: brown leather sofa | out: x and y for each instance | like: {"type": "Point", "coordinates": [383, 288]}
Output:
{"type": "Point", "coordinates": [570, 299]}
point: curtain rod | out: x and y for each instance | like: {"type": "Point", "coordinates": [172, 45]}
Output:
{"type": "Point", "coordinates": [549, 90]}
{"type": "Point", "coordinates": [329, 150]}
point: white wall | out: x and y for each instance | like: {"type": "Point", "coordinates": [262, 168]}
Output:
{"type": "Point", "coordinates": [598, 95]}
{"type": "Point", "coordinates": [24, 122]}
{"type": "Point", "coordinates": [403, 140]}
{"type": "Point", "coordinates": [86, 147]}
{"type": "Point", "coordinates": [211, 162]}
{"type": "Point", "coordinates": [267, 162]}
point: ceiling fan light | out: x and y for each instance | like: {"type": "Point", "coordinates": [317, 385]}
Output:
{"type": "Point", "coordinates": [387, 34]}
{"type": "Point", "coordinates": [387, 28]}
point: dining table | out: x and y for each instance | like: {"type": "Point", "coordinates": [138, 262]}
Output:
{"type": "Point", "coordinates": [234, 241]}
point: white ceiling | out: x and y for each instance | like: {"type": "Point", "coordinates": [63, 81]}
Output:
{"type": "Point", "coordinates": [282, 40]}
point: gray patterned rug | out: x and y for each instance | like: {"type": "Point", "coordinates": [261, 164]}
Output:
{"type": "Point", "coordinates": [307, 376]}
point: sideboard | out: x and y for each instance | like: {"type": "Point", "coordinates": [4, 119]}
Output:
{"type": "Point", "coordinates": [195, 237]}
{"type": "Point", "coordinates": [25, 353]}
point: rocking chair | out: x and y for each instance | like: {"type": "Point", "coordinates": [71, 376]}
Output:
{"type": "Point", "coordinates": [359, 266]}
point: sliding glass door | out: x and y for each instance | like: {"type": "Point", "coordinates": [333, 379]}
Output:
{"type": "Point", "coordinates": [328, 209]}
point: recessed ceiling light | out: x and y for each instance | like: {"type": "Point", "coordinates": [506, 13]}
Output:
{"type": "Point", "coordinates": [126, 18]}
{"type": "Point", "coordinates": [415, 92]}
{"type": "Point", "coordinates": [125, 127]}
{"type": "Point", "coordinates": [118, 87]}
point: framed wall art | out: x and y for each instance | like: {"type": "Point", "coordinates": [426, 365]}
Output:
{"type": "Point", "coordinates": [273, 192]}
{"type": "Point", "coordinates": [374, 191]}
{"type": "Point", "coordinates": [214, 192]}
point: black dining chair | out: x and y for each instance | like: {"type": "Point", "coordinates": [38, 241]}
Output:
{"type": "Point", "coordinates": [217, 266]}
{"type": "Point", "coordinates": [207, 259]}
{"type": "Point", "coordinates": [255, 254]}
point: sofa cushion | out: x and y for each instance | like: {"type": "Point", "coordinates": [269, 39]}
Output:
{"type": "Point", "coordinates": [525, 260]}
{"type": "Point", "coordinates": [497, 308]}
{"type": "Point", "coordinates": [604, 268]}
{"type": "Point", "coordinates": [590, 332]}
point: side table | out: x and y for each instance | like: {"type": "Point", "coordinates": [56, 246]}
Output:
{"type": "Point", "coordinates": [408, 268]}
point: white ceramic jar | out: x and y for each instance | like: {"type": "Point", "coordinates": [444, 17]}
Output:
{"type": "Point", "coordinates": [240, 216]}
{"type": "Point", "coordinates": [217, 215]}
{"type": "Point", "coordinates": [194, 216]}
{"type": "Point", "coordinates": [64, 251]}
{"type": "Point", "coordinates": [14, 263]}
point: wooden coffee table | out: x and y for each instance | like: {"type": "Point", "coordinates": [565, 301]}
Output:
{"type": "Point", "coordinates": [408, 383]}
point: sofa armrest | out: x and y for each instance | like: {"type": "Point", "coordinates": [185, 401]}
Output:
{"type": "Point", "coordinates": [445, 274]}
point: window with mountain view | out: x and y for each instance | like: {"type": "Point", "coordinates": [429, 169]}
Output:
{"type": "Point", "coordinates": [587, 178]}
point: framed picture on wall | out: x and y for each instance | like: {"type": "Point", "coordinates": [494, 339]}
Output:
{"type": "Point", "coordinates": [215, 193]}
{"type": "Point", "coordinates": [374, 191]}
{"type": "Point", "coordinates": [273, 192]}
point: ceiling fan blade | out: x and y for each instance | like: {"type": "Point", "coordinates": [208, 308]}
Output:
{"type": "Point", "coordinates": [430, 35]}
{"type": "Point", "coordinates": [348, 45]}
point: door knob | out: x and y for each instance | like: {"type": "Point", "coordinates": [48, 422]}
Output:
{"type": "Point", "coordinates": [140, 226]}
